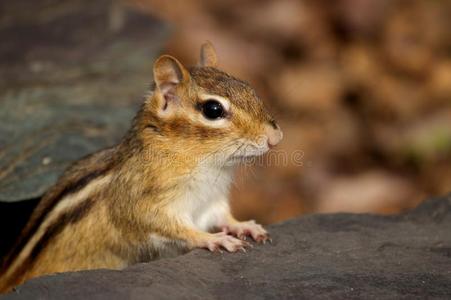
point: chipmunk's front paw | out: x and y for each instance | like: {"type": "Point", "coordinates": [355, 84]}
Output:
{"type": "Point", "coordinates": [243, 229]}
{"type": "Point", "coordinates": [220, 240]}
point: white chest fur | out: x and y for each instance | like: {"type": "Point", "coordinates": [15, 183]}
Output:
{"type": "Point", "coordinates": [203, 202]}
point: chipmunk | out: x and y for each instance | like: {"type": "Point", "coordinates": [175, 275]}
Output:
{"type": "Point", "coordinates": [163, 190]}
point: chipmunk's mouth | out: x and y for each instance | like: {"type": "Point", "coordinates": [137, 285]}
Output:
{"type": "Point", "coordinates": [248, 159]}
{"type": "Point", "coordinates": [246, 151]}
{"type": "Point", "coordinates": [248, 154]}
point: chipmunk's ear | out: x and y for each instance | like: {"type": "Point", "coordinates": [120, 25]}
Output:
{"type": "Point", "coordinates": [208, 57]}
{"type": "Point", "coordinates": [168, 73]}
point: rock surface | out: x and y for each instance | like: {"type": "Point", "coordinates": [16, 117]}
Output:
{"type": "Point", "coordinates": [336, 256]}
{"type": "Point", "coordinates": [72, 76]}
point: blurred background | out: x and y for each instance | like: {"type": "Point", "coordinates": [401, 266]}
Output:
{"type": "Point", "coordinates": [361, 88]}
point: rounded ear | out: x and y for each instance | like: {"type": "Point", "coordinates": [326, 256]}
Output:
{"type": "Point", "coordinates": [169, 72]}
{"type": "Point", "coordinates": [208, 57]}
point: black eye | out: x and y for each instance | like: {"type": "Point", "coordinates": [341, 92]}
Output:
{"type": "Point", "coordinates": [213, 110]}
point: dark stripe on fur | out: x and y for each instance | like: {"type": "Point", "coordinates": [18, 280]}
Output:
{"type": "Point", "coordinates": [70, 217]}
{"type": "Point", "coordinates": [70, 188]}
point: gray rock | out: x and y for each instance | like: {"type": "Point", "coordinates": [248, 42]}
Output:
{"type": "Point", "coordinates": [73, 74]}
{"type": "Point", "coordinates": [336, 256]}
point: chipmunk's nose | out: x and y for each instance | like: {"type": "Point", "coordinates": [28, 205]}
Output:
{"type": "Point", "coordinates": [274, 134]}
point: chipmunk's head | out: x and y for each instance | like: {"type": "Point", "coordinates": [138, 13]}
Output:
{"type": "Point", "coordinates": [203, 111]}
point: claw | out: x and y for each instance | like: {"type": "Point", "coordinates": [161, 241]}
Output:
{"type": "Point", "coordinates": [243, 230]}
{"type": "Point", "coordinates": [220, 242]}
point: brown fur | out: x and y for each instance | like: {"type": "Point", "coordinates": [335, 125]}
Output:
{"type": "Point", "coordinates": [101, 211]}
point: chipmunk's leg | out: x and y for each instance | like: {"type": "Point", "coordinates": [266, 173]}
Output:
{"type": "Point", "coordinates": [244, 229]}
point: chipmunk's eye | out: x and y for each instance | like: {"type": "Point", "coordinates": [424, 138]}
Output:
{"type": "Point", "coordinates": [213, 110]}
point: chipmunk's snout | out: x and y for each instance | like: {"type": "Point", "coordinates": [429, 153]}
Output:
{"type": "Point", "coordinates": [274, 134]}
